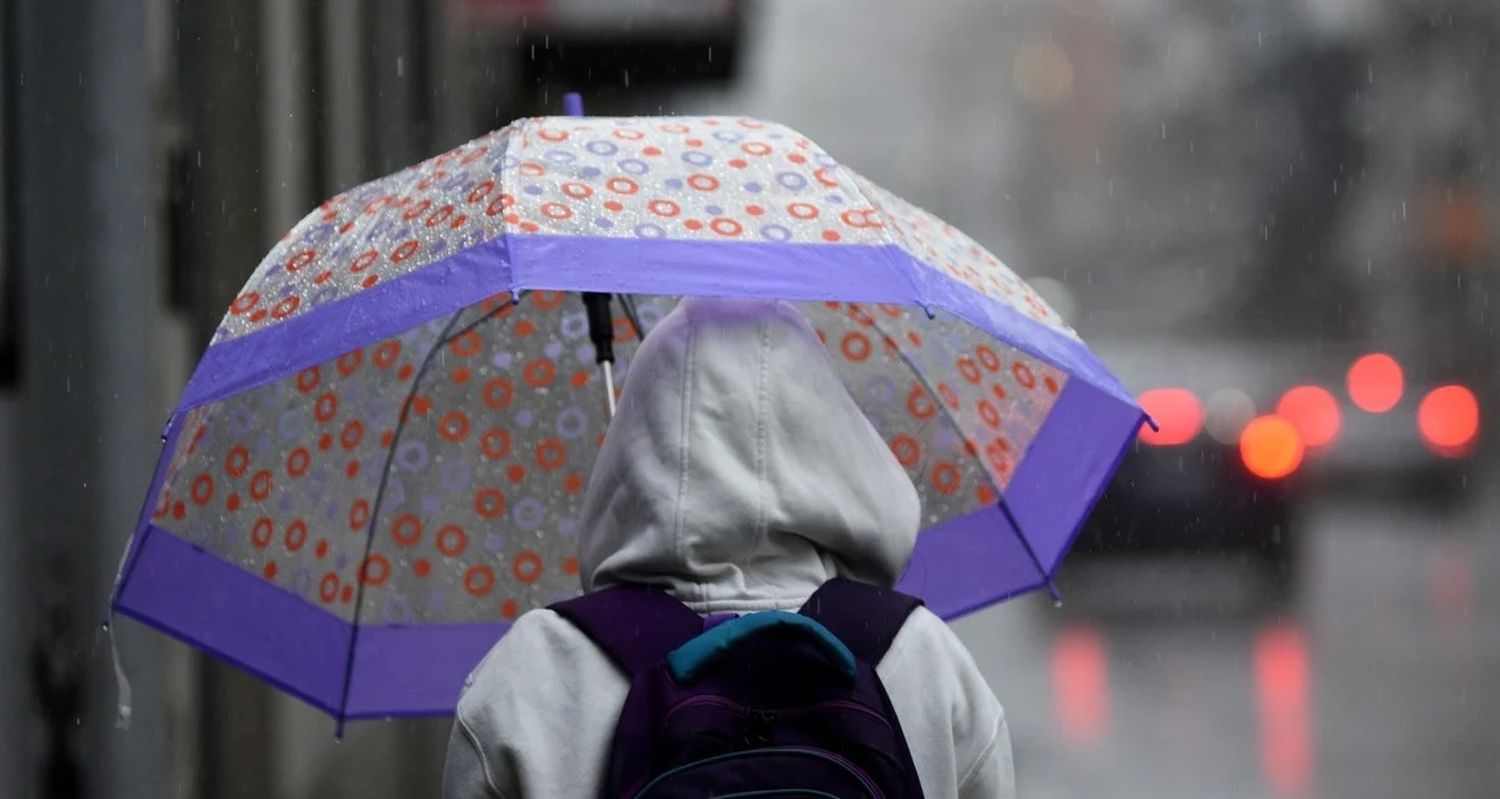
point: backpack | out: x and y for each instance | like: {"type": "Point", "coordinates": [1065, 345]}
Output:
{"type": "Point", "coordinates": [766, 704]}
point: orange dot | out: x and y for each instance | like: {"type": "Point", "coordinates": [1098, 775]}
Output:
{"type": "Point", "coordinates": [580, 378]}
{"type": "Point", "coordinates": [693, 224]}
{"type": "Point", "coordinates": [946, 478]}
{"type": "Point", "coordinates": [454, 426]}
{"type": "Point", "coordinates": [573, 483]}
{"type": "Point", "coordinates": [539, 373]}
{"type": "Point", "coordinates": [325, 442]}
{"type": "Point", "coordinates": [489, 503]}
{"type": "Point", "coordinates": [570, 565]}
{"type": "Point", "coordinates": [233, 503]}
{"type": "Point", "coordinates": [421, 567]}
{"type": "Point", "coordinates": [509, 609]}
{"type": "Point", "coordinates": [651, 151]}
{"type": "Point", "coordinates": [270, 570]}
{"type": "Point", "coordinates": [460, 375]}
{"type": "Point", "coordinates": [754, 210]}
{"type": "Point", "coordinates": [352, 469]}
{"type": "Point", "coordinates": [1271, 447]}
{"type": "Point", "coordinates": [370, 281]}
{"type": "Point", "coordinates": [737, 163]}
{"type": "Point", "coordinates": [347, 594]}
{"type": "Point", "coordinates": [524, 328]}
{"type": "Point", "coordinates": [479, 579]}
{"type": "Point", "coordinates": [796, 159]}
{"type": "Point", "coordinates": [405, 371]}
{"type": "Point", "coordinates": [526, 567]}
{"type": "Point", "coordinates": [906, 449]}
{"type": "Point", "coordinates": [387, 438]}
{"type": "Point", "coordinates": [516, 473]}
{"type": "Point", "coordinates": [321, 550]}
{"type": "Point", "coordinates": [551, 454]}
{"type": "Point", "coordinates": [613, 205]}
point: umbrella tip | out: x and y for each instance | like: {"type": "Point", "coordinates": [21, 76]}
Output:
{"type": "Point", "coordinates": [573, 104]}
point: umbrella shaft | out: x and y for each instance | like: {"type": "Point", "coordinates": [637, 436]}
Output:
{"type": "Point", "coordinates": [609, 386]}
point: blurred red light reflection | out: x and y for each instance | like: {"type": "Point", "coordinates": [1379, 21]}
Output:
{"type": "Point", "coordinates": [1080, 684]}
{"type": "Point", "coordinates": [1375, 382]}
{"type": "Point", "coordinates": [1177, 411]}
{"type": "Point", "coordinates": [1281, 691]}
{"type": "Point", "coordinates": [1314, 412]}
{"type": "Point", "coordinates": [1448, 419]}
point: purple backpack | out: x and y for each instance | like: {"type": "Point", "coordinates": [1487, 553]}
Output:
{"type": "Point", "coordinates": [766, 704]}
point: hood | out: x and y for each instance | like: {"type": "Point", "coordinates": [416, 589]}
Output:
{"type": "Point", "coordinates": [738, 472]}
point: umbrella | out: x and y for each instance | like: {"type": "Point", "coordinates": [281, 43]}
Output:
{"type": "Point", "coordinates": [379, 461]}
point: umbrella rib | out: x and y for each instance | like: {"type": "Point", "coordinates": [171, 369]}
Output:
{"type": "Point", "coordinates": [450, 335]}
{"type": "Point", "coordinates": [385, 474]}
{"type": "Point", "coordinates": [628, 304]}
{"type": "Point", "coordinates": [999, 492]}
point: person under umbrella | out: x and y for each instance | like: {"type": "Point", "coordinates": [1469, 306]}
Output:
{"type": "Point", "coordinates": [738, 479]}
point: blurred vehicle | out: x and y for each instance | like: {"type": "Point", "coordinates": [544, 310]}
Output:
{"type": "Point", "coordinates": [1247, 431]}
{"type": "Point", "coordinates": [1415, 432]}
{"type": "Point", "coordinates": [1217, 473]}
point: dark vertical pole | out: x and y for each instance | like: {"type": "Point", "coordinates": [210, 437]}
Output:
{"type": "Point", "coordinates": [398, 51]}
{"type": "Point", "coordinates": [81, 235]}
{"type": "Point", "coordinates": [220, 91]}
{"type": "Point", "coordinates": [13, 637]}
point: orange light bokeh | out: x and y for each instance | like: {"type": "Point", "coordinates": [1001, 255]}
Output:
{"type": "Point", "coordinates": [1271, 447]}
{"type": "Point", "coordinates": [1375, 383]}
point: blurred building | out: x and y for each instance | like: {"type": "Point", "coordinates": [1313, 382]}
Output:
{"type": "Point", "coordinates": [1322, 170]}
{"type": "Point", "coordinates": [152, 153]}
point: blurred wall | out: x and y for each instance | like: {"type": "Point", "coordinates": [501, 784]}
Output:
{"type": "Point", "coordinates": [81, 414]}
{"type": "Point", "coordinates": [153, 152]}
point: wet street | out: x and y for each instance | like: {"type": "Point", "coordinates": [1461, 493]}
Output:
{"type": "Point", "coordinates": [1371, 676]}
{"type": "Point", "coordinates": [1374, 678]}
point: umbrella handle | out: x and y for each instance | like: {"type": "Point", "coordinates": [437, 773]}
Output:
{"type": "Point", "coordinates": [609, 385]}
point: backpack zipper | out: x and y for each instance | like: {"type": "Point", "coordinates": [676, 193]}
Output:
{"type": "Point", "coordinates": [714, 701]}
{"type": "Point", "coordinates": [854, 770]}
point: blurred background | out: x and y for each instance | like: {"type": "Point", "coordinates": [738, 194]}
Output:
{"type": "Point", "coordinates": [1276, 219]}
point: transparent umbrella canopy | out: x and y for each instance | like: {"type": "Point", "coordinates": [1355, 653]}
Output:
{"type": "Point", "coordinates": [379, 462]}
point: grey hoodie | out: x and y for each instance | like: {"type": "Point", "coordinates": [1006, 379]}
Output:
{"type": "Point", "coordinates": [740, 475]}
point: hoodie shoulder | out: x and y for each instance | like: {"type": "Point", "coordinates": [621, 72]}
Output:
{"type": "Point", "coordinates": [540, 708]}
{"type": "Point", "coordinates": [951, 719]}
{"type": "Point", "coordinates": [539, 643]}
